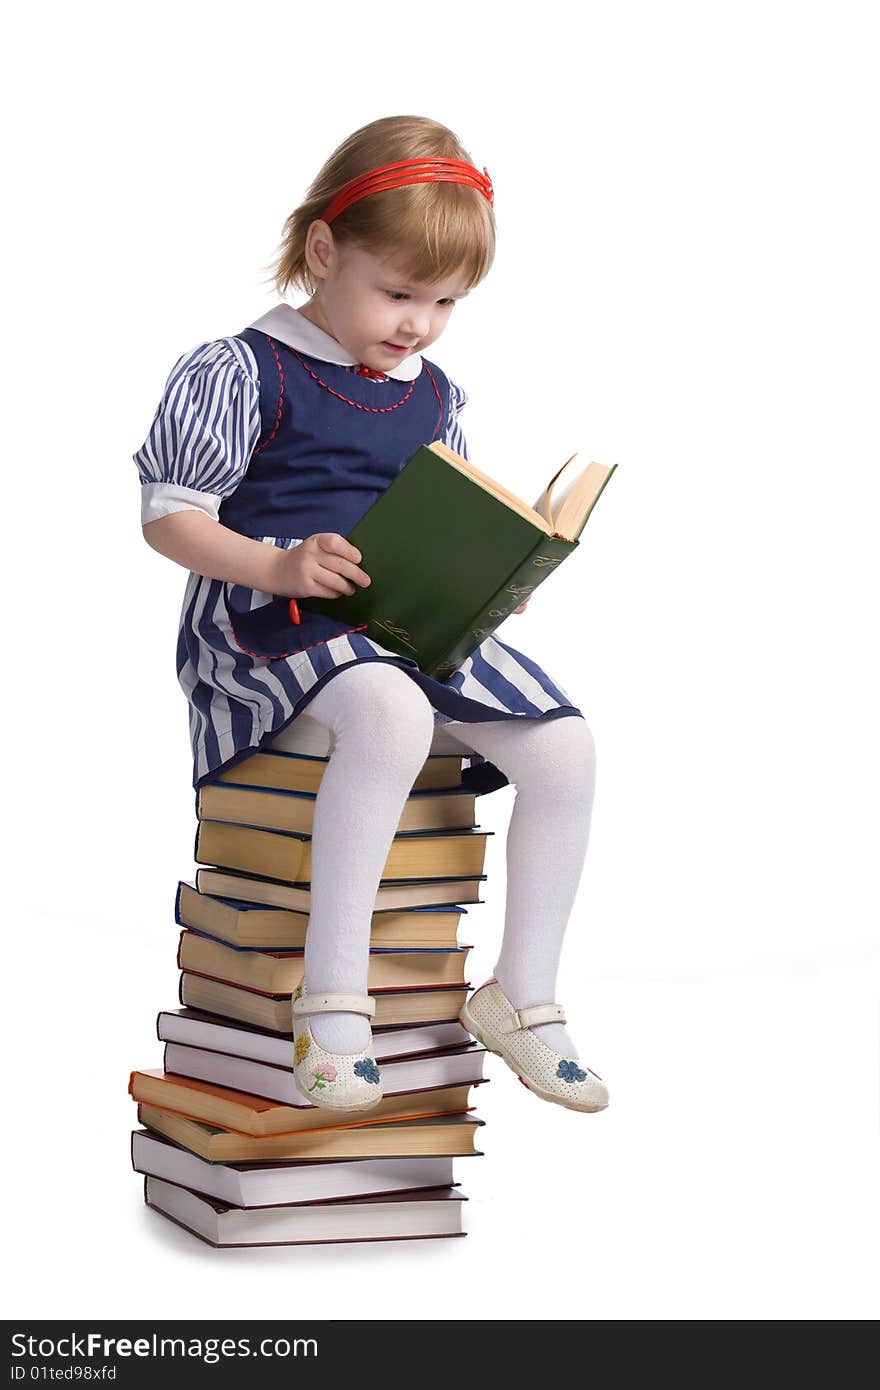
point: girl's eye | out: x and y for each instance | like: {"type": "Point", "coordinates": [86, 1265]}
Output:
{"type": "Point", "coordinates": [397, 295]}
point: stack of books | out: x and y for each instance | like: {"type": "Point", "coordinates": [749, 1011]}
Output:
{"type": "Point", "coordinates": [229, 1148]}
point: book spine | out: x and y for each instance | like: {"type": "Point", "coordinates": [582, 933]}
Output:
{"type": "Point", "coordinates": [547, 555]}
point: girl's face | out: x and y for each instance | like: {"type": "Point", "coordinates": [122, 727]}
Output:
{"type": "Point", "coordinates": [368, 305]}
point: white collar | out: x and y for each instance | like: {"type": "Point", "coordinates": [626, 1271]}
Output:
{"type": "Point", "coordinates": [292, 328]}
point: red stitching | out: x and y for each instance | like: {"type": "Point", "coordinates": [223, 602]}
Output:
{"type": "Point", "coordinates": [276, 656]}
{"type": "Point", "coordinates": [261, 447]}
{"type": "Point", "coordinates": [370, 409]}
{"type": "Point", "coordinates": [437, 394]}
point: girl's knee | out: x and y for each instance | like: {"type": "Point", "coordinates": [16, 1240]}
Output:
{"type": "Point", "coordinates": [576, 762]}
{"type": "Point", "coordinates": [387, 711]}
{"type": "Point", "coordinates": [561, 757]}
{"type": "Point", "coordinates": [581, 745]}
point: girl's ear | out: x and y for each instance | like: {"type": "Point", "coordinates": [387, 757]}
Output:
{"type": "Point", "coordinates": [320, 248]}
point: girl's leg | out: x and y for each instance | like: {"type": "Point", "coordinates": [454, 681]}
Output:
{"type": "Point", "coordinates": [383, 726]}
{"type": "Point", "coordinates": [552, 764]}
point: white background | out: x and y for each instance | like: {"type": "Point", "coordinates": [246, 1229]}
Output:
{"type": "Point", "coordinates": [686, 285]}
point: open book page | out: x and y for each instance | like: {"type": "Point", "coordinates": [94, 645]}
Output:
{"type": "Point", "coordinates": [555, 493]}
{"type": "Point", "coordinates": [562, 508]}
{"type": "Point", "coordinates": [567, 501]}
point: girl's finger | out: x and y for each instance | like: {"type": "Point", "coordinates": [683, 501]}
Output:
{"type": "Point", "coordinates": [330, 543]}
{"type": "Point", "coordinates": [334, 582]}
{"type": "Point", "coordinates": [323, 591]}
{"type": "Point", "coordinates": [346, 568]}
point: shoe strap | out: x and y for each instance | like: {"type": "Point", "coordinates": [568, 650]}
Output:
{"type": "Point", "coordinates": [527, 1018]}
{"type": "Point", "coordinates": [335, 1003]}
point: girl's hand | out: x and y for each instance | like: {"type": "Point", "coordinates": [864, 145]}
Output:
{"type": "Point", "coordinates": [322, 566]}
{"type": "Point", "coordinates": [522, 607]}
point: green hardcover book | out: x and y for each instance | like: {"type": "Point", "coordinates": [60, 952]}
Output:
{"type": "Point", "coordinates": [451, 553]}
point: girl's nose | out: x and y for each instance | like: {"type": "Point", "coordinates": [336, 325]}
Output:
{"type": "Point", "coordinates": [417, 325]}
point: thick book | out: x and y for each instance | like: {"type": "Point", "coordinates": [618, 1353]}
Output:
{"type": "Point", "coordinates": [451, 553]}
{"type": "Point", "coordinates": [273, 767]}
{"type": "Point", "coordinates": [280, 972]}
{"type": "Point", "coordinates": [277, 928]}
{"type": "Point", "coordinates": [450, 1134]}
{"type": "Point", "coordinates": [409, 1216]}
{"type": "Point", "coordinates": [462, 1066]}
{"type": "Point", "coordinates": [427, 1004]}
{"type": "Point", "coordinates": [285, 1180]}
{"type": "Point", "coordinates": [244, 1113]}
{"type": "Point", "coordinates": [196, 1029]}
{"type": "Point", "coordinates": [280, 808]}
{"type": "Point", "coordinates": [287, 855]}
{"type": "Point", "coordinates": [296, 897]}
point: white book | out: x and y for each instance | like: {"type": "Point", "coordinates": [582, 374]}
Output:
{"type": "Point", "coordinates": [246, 1040]}
{"type": "Point", "coordinates": [451, 1068]}
{"type": "Point", "coordinates": [292, 1180]}
{"type": "Point", "coordinates": [410, 1216]}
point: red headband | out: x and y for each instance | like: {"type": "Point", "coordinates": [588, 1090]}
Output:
{"type": "Point", "coordinates": [409, 171]}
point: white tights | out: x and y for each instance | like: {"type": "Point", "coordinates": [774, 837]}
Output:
{"type": "Point", "coordinates": [383, 725]}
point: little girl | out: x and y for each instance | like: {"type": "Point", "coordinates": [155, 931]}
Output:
{"type": "Point", "coordinates": [266, 448]}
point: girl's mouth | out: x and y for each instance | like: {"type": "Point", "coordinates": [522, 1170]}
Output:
{"type": "Point", "coordinates": [395, 347]}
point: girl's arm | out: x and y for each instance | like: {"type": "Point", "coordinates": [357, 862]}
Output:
{"type": "Point", "coordinates": [205, 546]}
{"type": "Point", "coordinates": [324, 565]}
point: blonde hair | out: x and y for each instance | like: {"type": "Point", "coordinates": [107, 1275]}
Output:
{"type": "Point", "coordinates": [434, 230]}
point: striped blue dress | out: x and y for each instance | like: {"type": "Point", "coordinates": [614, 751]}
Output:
{"type": "Point", "coordinates": [278, 433]}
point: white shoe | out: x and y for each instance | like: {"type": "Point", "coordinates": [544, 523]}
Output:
{"type": "Point", "coordinates": [506, 1031]}
{"type": "Point", "coordinates": [333, 1080]}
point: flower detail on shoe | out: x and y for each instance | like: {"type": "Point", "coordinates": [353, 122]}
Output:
{"type": "Point", "coordinates": [298, 992]}
{"type": "Point", "coordinates": [301, 1047]}
{"type": "Point", "coordinates": [323, 1074]}
{"type": "Point", "coordinates": [367, 1069]}
{"type": "Point", "coordinates": [570, 1071]}
{"type": "Point", "coordinates": [490, 1017]}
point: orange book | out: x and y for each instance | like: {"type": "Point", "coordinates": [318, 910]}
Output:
{"type": "Point", "coordinates": [243, 1113]}
{"type": "Point", "coordinates": [422, 1136]}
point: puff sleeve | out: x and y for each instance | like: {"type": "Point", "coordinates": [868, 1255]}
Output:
{"type": "Point", "coordinates": [204, 432]}
{"type": "Point", "coordinates": [453, 438]}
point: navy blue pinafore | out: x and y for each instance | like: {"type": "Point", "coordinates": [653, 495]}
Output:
{"type": "Point", "coordinates": [332, 438]}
